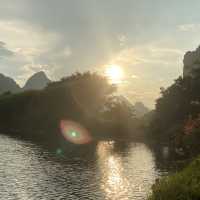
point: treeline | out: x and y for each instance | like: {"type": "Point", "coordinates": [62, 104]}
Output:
{"type": "Point", "coordinates": [87, 98]}
{"type": "Point", "coordinates": [176, 119]}
{"type": "Point", "coordinates": [176, 123]}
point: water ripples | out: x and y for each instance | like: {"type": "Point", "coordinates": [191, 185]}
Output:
{"type": "Point", "coordinates": [27, 172]}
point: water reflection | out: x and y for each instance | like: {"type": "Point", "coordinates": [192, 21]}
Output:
{"type": "Point", "coordinates": [128, 175]}
{"type": "Point", "coordinates": [115, 171]}
{"type": "Point", "coordinates": [113, 183]}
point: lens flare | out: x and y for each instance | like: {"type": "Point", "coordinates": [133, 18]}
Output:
{"type": "Point", "coordinates": [59, 152]}
{"type": "Point", "coordinates": [114, 73]}
{"type": "Point", "coordinates": [75, 132]}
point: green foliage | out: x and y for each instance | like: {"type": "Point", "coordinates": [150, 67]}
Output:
{"type": "Point", "coordinates": [122, 116]}
{"type": "Point", "coordinates": [176, 122]}
{"type": "Point", "coordinates": [80, 97]}
{"type": "Point", "coordinates": [88, 90]}
{"type": "Point", "coordinates": [191, 141]}
{"type": "Point", "coordinates": [184, 185]}
{"type": "Point", "coordinates": [177, 103]}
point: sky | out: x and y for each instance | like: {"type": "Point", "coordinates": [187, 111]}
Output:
{"type": "Point", "coordinates": [147, 38]}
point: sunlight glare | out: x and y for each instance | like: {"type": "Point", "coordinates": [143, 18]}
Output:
{"type": "Point", "coordinates": [113, 183]}
{"type": "Point", "coordinates": [114, 73]}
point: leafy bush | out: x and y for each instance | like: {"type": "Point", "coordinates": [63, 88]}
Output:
{"type": "Point", "coordinates": [184, 185]}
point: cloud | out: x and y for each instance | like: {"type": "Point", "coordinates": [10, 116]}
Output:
{"type": "Point", "coordinates": [122, 39]}
{"type": "Point", "coordinates": [4, 51]}
{"type": "Point", "coordinates": [147, 56]}
{"type": "Point", "coordinates": [36, 68]}
{"type": "Point", "coordinates": [29, 49]}
{"type": "Point", "coordinates": [145, 66]}
{"type": "Point", "coordinates": [134, 76]}
{"type": "Point", "coordinates": [65, 36]}
{"type": "Point", "coordinates": [189, 27]}
{"type": "Point", "coordinates": [67, 51]}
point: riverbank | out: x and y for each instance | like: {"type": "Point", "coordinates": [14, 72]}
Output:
{"type": "Point", "coordinates": [184, 185]}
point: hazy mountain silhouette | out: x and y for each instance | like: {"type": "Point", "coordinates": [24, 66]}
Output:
{"type": "Point", "coordinates": [38, 81]}
{"type": "Point", "coordinates": [140, 109]}
{"type": "Point", "coordinates": [8, 84]}
{"type": "Point", "coordinates": [126, 101]}
{"type": "Point", "coordinates": [191, 62]}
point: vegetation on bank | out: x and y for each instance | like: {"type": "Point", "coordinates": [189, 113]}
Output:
{"type": "Point", "coordinates": [176, 119]}
{"type": "Point", "coordinates": [87, 98]}
{"type": "Point", "coordinates": [175, 123]}
{"type": "Point", "coordinates": [184, 185]}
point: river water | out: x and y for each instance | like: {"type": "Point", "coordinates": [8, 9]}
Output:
{"type": "Point", "coordinates": [29, 172]}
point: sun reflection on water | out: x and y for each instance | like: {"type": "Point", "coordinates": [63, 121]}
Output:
{"type": "Point", "coordinates": [113, 182]}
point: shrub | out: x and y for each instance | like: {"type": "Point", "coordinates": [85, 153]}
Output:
{"type": "Point", "coordinates": [184, 185]}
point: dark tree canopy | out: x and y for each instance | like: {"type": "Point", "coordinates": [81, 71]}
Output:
{"type": "Point", "coordinates": [80, 97]}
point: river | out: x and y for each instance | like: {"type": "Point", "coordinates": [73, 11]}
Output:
{"type": "Point", "coordinates": [28, 172]}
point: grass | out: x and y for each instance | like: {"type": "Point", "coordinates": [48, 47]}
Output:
{"type": "Point", "coordinates": [184, 185]}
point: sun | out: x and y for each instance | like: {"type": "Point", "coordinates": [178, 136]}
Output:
{"type": "Point", "coordinates": [114, 73]}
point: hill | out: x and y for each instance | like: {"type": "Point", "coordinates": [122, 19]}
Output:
{"type": "Point", "coordinates": [37, 82]}
{"type": "Point", "coordinates": [8, 84]}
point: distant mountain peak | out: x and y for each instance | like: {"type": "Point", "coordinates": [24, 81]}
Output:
{"type": "Point", "coordinates": [140, 109]}
{"type": "Point", "coordinates": [37, 81]}
{"type": "Point", "coordinates": [4, 76]}
{"type": "Point", "coordinates": [8, 84]}
{"type": "Point", "coordinates": [40, 73]}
